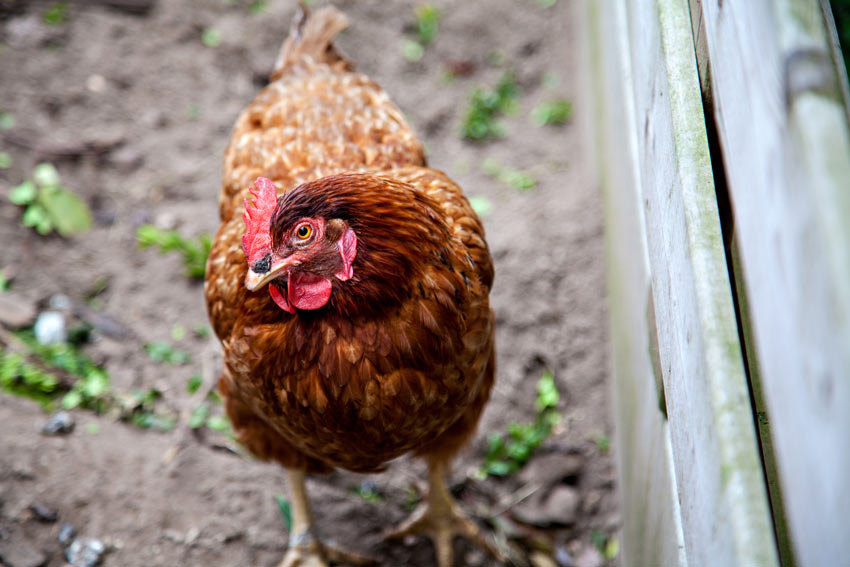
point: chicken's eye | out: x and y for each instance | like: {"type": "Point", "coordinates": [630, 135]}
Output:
{"type": "Point", "coordinates": [304, 231]}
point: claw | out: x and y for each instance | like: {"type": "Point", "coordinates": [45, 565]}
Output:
{"type": "Point", "coordinates": [441, 519]}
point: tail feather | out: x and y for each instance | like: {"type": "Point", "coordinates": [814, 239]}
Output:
{"type": "Point", "coordinates": [312, 35]}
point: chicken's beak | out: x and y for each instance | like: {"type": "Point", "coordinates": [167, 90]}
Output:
{"type": "Point", "coordinates": [254, 281]}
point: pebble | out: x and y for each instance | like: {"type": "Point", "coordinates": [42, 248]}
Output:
{"type": "Point", "coordinates": [563, 557]}
{"type": "Point", "coordinates": [589, 557]}
{"type": "Point", "coordinates": [559, 507]}
{"type": "Point", "coordinates": [67, 533]}
{"type": "Point", "coordinates": [43, 513]}
{"type": "Point", "coordinates": [15, 311]}
{"type": "Point", "coordinates": [50, 328]}
{"type": "Point", "coordinates": [59, 423]}
{"type": "Point", "coordinates": [85, 553]}
{"type": "Point", "coordinates": [21, 554]}
{"type": "Point", "coordinates": [552, 468]}
{"type": "Point", "coordinates": [540, 559]}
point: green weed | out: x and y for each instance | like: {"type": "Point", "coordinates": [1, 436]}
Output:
{"type": "Point", "coordinates": [162, 351]}
{"type": "Point", "coordinates": [508, 175]}
{"type": "Point", "coordinates": [194, 251]}
{"type": "Point", "coordinates": [506, 454]}
{"type": "Point", "coordinates": [49, 205]}
{"type": "Point", "coordinates": [556, 112]}
{"type": "Point", "coordinates": [56, 14]}
{"type": "Point", "coordinates": [481, 121]}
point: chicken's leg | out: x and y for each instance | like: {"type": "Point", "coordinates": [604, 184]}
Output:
{"type": "Point", "coordinates": [440, 518]}
{"type": "Point", "coordinates": [305, 549]}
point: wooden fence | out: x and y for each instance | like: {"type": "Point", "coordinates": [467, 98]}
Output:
{"type": "Point", "coordinates": [723, 147]}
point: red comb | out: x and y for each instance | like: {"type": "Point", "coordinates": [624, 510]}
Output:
{"type": "Point", "coordinates": [257, 239]}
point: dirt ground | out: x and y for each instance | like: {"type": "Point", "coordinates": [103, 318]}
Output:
{"type": "Point", "coordinates": [134, 110]}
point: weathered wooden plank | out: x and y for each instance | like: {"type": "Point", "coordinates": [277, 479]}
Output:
{"type": "Point", "coordinates": [725, 514]}
{"type": "Point", "coordinates": [652, 531]}
{"type": "Point", "coordinates": [786, 141]}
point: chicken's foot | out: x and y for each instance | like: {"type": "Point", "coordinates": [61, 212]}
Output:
{"type": "Point", "coordinates": [440, 518]}
{"type": "Point", "coordinates": [305, 549]}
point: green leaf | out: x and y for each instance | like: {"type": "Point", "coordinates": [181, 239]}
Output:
{"type": "Point", "coordinates": [285, 511]}
{"type": "Point", "coordinates": [56, 14]}
{"type": "Point", "coordinates": [199, 416]}
{"type": "Point", "coordinates": [427, 18]}
{"type": "Point", "coordinates": [547, 392]}
{"type": "Point", "coordinates": [194, 383]}
{"type": "Point", "coordinates": [552, 112]}
{"type": "Point", "coordinates": [45, 174]}
{"type": "Point", "coordinates": [7, 121]}
{"type": "Point", "coordinates": [211, 37]}
{"type": "Point", "coordinates": [412, 50]}
{"type": "Point", "coordinates": [219, 423]}
{"type": "Point", "coordinates": [5, 161]}
{"type": "Point", "coordinates": [72, 399]}
{"type": "Point", "coordinates": [481, 205]}
{"type": "Point", "coordinates": [36, 216]}
{"type": "Point", "coordinates": [23, 194]}
{"type": "Point", "coordinates": [68, 213]}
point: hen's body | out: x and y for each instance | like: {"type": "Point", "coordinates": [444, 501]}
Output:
{"type": "Point", "coordinates": [401, 358]}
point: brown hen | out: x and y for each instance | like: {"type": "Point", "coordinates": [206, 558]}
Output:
{"type": "Point", "coordinates": [349, 288]}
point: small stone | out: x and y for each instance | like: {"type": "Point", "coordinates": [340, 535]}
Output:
{"type": "Point", "coordinates": [43, 513]}
{"type": "Point", "coordinates": [559, 507]}
{"type": "Point", "coordinates": [60, 302]}
{"type": "Point", "coordinates": [475, 558]}
{"type": "Point", "coordinates": [563, 557]}
{"type": "Point", "coordinates": [552, 468]}
{"type": "Point", "coordinates": [15, 311]}
{"type": "Point", "coordinates": [50, 328]}
{"type": "Point", "coordinates": [21, 554]}
{"type": "Point", "coordinates": [67, 533]}
{"type": "Point", "coordinates": [589, 557]}
{"type": "Point", "coordinates": [126, 159]}
{"type": "Point", "coordinates": [172, 535]}
{"type": "Point", "coordinates": [191, 535]}
{"type": "Point", "coordinates": [540, 559]}
{"type": "Point", "coordinates": [85, 553]}
{"type": "Point", "coordinates": [96, 83]}
{"type": "Point", "coordinates": [59, 423]}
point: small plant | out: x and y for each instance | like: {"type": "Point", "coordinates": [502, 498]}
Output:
{"type": "Point", "coordinates": [194, 251]}
{"type": "Point", "coordinates": [162, 351]}
{"type": "Point", "coordinates": [56, 14]}
{"type": "Point", "coordinates": [7, 121]}
{"type": "Point", "coordinates": [5, 160]}
{"type": "Point", "coordinates": [427, 18]}
{"type": "Point", "coordinates": [211, 37]}
{"type": "Point", "coordinates": [5, 281]}
{"type": "Point", "coordinates": [481, 205]}
{"type": "Point", "coordinates": [556, 112]}
{"type": "Point", "coordinates": [90, 388]}
{"type": "Point", "coordinates": [609, 547]}
{"type": "Point", "coordinates": [139, 409]}
{"type": "Point", "coordinates": [547, 3]}
{"type": "Point", "coordinates": [485, 106]}
{"type": "Point", "coordinates": [369, 492]}
{"type": "Point", "coordinates": [285, 511]}
{"type": "Point", "coordinates": [49, 205]}
{"type": "Point", "coordinates": [508, 175]}
{"type": "Point", "coordinates": [508, 454]}
{"type": "Point", "coordinates": [257, 7]}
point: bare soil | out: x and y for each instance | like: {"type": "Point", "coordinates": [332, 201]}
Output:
{"type": "Point", "coordinates": [134, 111]}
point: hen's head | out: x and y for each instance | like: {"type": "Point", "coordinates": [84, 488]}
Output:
{"type": "Point", "coordinates": [352, 236]}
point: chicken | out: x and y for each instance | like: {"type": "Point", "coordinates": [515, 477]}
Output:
{"type": "Point", "coordinates": [349, 289]}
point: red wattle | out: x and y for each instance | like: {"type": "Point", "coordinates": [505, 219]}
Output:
{"type": "Point", "coordinates": [281, 301]}
{"type": "Point", "coordinates": [308, 291]}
